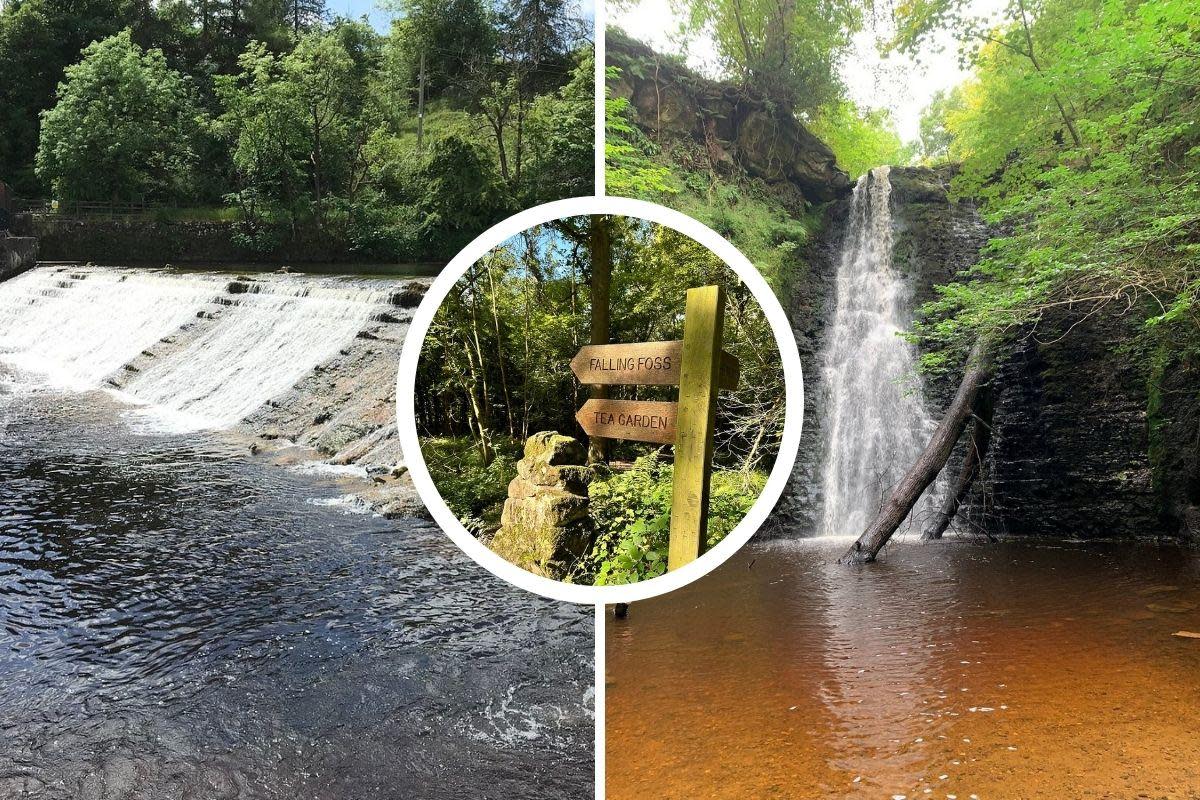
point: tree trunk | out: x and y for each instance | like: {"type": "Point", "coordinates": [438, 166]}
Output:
{"type": "Point", "coordinates": [480, 359]}
{"type": "Point", "coordinates": [501, 152]}
{"type": "Point", "coordinates": [981, 437]}
{"type": "Point", "coordinates": [520, 134]}
{"type": "Point", "coordinates": [930, 462]}
{"type": "Point", "coordinates": [601, 245]}
{"type": "Point", "coordinates": [500, 354]}
{"type": "Point", "coordinates": [478, 408]}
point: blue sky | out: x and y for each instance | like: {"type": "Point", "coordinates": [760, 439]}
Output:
{"type": "Point", "coordinates": [354, 9]}
{"type": "Point", "coordinates": [380, 20]}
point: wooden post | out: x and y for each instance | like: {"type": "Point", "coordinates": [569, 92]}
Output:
{"type": "Point", "coordinates": [703, 326]}
{"type": "Point", "coordinates": [421, 107]}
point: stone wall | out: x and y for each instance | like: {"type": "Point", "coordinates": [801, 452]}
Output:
{"type": "Point", "coordinates": [17, 254]}
{"type": "Point", "coordinates": [545, 526]}
{"type": "Point", "coordinates": [150, 241]}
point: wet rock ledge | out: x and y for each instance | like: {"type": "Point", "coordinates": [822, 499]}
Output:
{"type": "Point", "coordinates": [345, 411]}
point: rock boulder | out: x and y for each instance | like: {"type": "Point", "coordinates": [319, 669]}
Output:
{"type": "Point", "coordinates": [544, 527]}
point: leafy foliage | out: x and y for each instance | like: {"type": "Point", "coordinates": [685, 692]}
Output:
{"type": "Point", "coordinates": [305, 126]}
{"type": "Point", "coordinates": [562, 137]}
{"type": "Point", "coordinates": [473, 490]}
{"type": "Point", "coordinates": [630, 170]}
{"type": "Point", "coordinates": [860, 140]}
{"type": "Point", "coordinates": [38, 40]}
{"type": "Point", "coordinates": [632, 510]}
{"type": "Point", "coordinates": [936, 138]}
{"type": "Point", "coordinates": [124, 128]}
{"type": "Point", "coordinates": [788, 51]}
{"type": "Point", "coordinates": [1080, 135]}
{"type": "Point", "coordinates": [496, 359]}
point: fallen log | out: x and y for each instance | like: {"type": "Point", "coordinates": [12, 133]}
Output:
{"type": "Point", "coordinates": [981, 437]}
{"type": "Point", "coordinates": [927, 466]}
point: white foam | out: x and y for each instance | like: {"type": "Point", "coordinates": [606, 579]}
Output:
{"type": "Point", "coordinates": [325, 468]}
{"type": "Point", "coordinates": [228, 354]}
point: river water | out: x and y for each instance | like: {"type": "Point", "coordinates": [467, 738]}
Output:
{"type": "Point", "coordinates": [180, 620]}
{"type": "Point", "coordinates": [955, 669]}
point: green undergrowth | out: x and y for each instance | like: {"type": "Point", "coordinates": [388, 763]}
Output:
{"type": "Point", "coordinates": [631, 509]}
{"type": "Point", "coordinates": [773, 241]}
{"type": "Point", "coordinates": [473, 491]}
{"type": "Point", "coordinates": [632, 513]}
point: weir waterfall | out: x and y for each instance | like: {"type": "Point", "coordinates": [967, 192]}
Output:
{"type": "Point", "coordinates": [197, 598]}
{"type": "Point", "coordinates": [202, 349]}
{"type": "Point", "coordinates": [876, 423]}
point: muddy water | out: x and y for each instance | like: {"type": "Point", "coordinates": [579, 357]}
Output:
{"type": "Point", "coordinates": [950, 670]}
{"type": "Point", "coordinates": [178, 620]}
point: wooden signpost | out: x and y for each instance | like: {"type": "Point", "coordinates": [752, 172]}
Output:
{"type": "Point", "coordinates": [639, 420]}
{"type": "Point", "coordinates": [700, 368]}
{"type": "Point", "coordinates": [641, 364]}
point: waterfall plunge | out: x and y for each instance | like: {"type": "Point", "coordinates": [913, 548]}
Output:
{"type": "Point", "coordinates": [216, 356]}
{"type": "Point", "coordinates": [877, 424]}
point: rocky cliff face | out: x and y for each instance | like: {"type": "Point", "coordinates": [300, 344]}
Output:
{"type": "Point", "coordinates": [1089, 440]}
{"type": "Point", "coordinates": [733, 128]}
{"type": "Point", "coordinates": [1086, 441]}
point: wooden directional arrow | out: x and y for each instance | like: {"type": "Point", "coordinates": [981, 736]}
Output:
{"type": "Point", "coordinates": [642, 364]}
{"type": "Point", "coordinates": [640, 420]}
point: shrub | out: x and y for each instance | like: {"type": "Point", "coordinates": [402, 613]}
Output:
{"type": "Point", "coordinates": [475, 492]}
{"type": "Point", "coordinates": [632, 513]}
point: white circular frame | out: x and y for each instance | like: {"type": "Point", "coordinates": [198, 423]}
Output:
{"type": "Point", "coordinates": [406, 421]}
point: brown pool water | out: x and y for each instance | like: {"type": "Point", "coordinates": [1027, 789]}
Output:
{"type": "Point", "coordinates": [949, 670]}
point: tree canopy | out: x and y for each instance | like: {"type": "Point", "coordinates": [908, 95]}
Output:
{"type": "Point", "coordinates": [303, 125]}
{"type": "Point", "coordinates": [787, 50]}
{"type": "Point", "coordinates": [1080, 134]}
{"type": "Point", "coordinates": [125, 126]}
{"type": "Point", "coordinates": [860, 139]}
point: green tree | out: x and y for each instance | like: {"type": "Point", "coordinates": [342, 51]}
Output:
{"type": "Point", "coordinates": [561, 135]}
{"type": "Point", "coordinates": [936, 138]}
{"type": "Point", "coordinates": [789, 50]}
{"type": "Point", "coordinates": [318, 74]}
{"type": "Point", "coordinates": [455, 37]}
{"type": "Point", "coordinates": [311, 127]}
{"type": "Point", "coordinates": [860, 139]}
{"type": "Point", "coordinates": [1079, 135]}
{"type": "Point", "coordinates": [304, 15]}
{"type": "Point", "coordinates": [124, 127]}
{"type": "Point", "coordinates": [38, 40]}
{"type": "Point", "coordinates": [461, 194]}
{"type": "Point", "coordinates": [263, 120]}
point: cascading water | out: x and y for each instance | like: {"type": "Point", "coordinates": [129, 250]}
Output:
{"type": "Point", "coordinates": [180, 612]}
{"type": "Point", "coordinates": [876, 421]}
{"type": "Point", "coordinates": [218, 352]}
